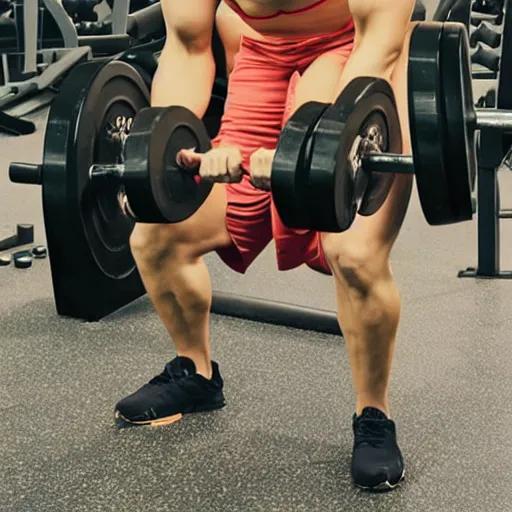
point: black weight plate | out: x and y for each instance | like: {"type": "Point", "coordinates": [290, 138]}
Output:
{"type": "Point", "coordinates": [460, 148]}
{"type": "Point", "coordinates": [290, 166]}
{"type": "Point", "coordinates": [88, 237]}
{"type": "Point", "coordinates": [386, 125]}
{"type": "Point", "coordinates": [425, 98]}
{"type": "Point", "coordinates": [158, 190]}
{"type": "Point", "coordinates": [144, 62]}
{"type": "Point", "coordinates": [108, 109]}
{"type": "Point", "coordinates": [336, 182]}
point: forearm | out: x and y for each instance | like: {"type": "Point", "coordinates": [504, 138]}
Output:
{"type": "Point", "coordinates": [184, 78]}
{"type": "Point", "coordinates": [364, 62]}
{"type": "Point", "coordinates": [381, 28]}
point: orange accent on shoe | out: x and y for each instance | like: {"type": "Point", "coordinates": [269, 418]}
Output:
{"type": "Point", "coordinates": [151, 423]}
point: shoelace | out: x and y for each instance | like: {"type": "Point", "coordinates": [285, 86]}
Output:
{"type": "Point", "coordinates": [370, 432]}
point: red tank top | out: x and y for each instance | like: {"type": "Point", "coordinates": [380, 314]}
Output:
{"type": "Point", "coordinates": [242, 14]}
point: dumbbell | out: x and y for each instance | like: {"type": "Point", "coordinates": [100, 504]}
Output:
{"type": "Point", "coordinates": [155, 188]}
{"type": "Point", "coordinates": [331, 160]}
{"type": "Point", "coordinates": [485, 56]}
{"type": "Point", "coordinates": [324, 175]}
{"type": "Point", "coordinates": [485, 33]}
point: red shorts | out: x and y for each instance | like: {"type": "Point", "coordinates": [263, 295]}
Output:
{"type": "Point", "coordinates": [259, 101]}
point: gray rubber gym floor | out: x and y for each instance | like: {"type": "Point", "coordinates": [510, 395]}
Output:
{"type": "Point", "coordinates": [284, 441]}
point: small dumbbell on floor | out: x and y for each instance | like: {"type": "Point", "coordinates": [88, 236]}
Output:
{"type": "Point", "coordinates": [23, 258]}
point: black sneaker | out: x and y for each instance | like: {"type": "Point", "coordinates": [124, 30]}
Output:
{"type": "Point", "coordinates": [176, 391]}
{"type": "Point", "coordinates": [377, 463]}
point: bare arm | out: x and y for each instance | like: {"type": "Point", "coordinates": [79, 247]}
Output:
{"type": "Point", "coordinates": [186, 68]}
{"type": "Point", "coordinates": [381, 27]}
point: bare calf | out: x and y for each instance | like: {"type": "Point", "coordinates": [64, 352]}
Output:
{"type": "Point", "coordinates": [170, 260]}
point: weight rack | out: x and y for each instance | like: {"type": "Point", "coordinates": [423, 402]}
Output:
{"type": "Point", "coordinates": [31, 65]}
{"type": "Point", "coordinates": [37, 68]}
{"type": "Point", "coordinates": [492, 155]}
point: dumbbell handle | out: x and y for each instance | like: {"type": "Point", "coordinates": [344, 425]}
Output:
{"type": "Point", "coordinates": [404, 164]}
{"type": "Point", "coordinates": [115, 171]}
{"type": "Point", "coordinates": [29, 174]}
{"type": "Point", "coordinates": [388, 163]}
{"type": "Point", "coordinates": [372, 162]}
{"type": "Point", "coordinates": [385, 162]}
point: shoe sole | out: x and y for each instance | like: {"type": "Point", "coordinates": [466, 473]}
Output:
{"type": "Point", "coordinates": [383, 486]}
{"type": "Point", "coordinates": [160, 422]}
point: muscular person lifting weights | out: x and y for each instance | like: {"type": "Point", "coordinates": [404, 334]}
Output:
{"type": "Point", "coordinates": [280, 54]}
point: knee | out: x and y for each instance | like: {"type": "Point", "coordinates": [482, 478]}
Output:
{"type": "Point", "coordinates": [363, 275]}
{"type": "Point", "coordinates": [357, 266]}
{"type": "Point", "coordinates": [151, 243]}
